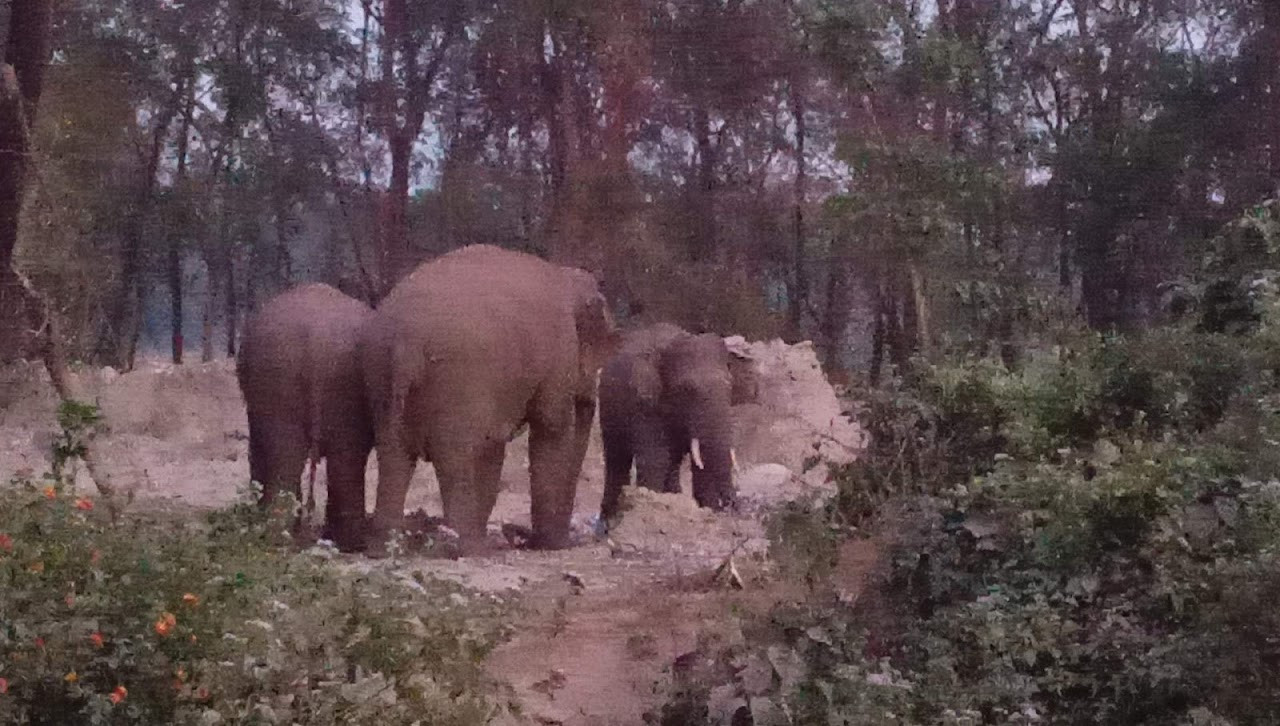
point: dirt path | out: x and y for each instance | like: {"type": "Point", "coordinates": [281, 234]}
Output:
{"type": "Point", "coordinates": [587, 653]}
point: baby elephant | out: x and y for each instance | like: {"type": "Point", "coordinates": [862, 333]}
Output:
{"type": "Point", "coordinates": [305, 398]}
{"type": "Point", "coordinates": [666, 394]}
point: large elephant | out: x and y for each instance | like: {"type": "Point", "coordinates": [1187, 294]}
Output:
{"type": "Point", "coordinates": [299, 375]}
{"type": "Point", "coordinates": [666, 394]}
{"type": "Point", "coordinates": [461, 354]}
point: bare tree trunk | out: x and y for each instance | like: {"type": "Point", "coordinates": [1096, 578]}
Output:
{"type": "Point", "coordinates": [799, 299]}
{"type": "Point", "coordinates": [22, 68]}
{"type": "Point", "coordinates": [920, 303]}
{"type": "Point", "coordinates": [207, 312]}
{"type": "Point", "coordinates": [702, 191]}
{"type": "Point", "coordinates": [21, 84]}
{"type": "Point", "coordinates": [175, 240]}
{"type": "Point", "coordinates": [836, 316]}
{"type": "Point", "coordinates": [551, 80]}
{"type": "Point", "coordinates": [231, 301]}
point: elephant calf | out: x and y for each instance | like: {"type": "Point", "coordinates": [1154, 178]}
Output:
{"type": "Point", "coordinates": [666, 394]}
{"type": "Point", "coordinates": [302, 387]}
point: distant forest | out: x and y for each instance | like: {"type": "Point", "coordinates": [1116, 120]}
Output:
{"type": "Point", "coordinates": [885, 178]}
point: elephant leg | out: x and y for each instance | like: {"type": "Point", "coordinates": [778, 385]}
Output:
{"type": "Point", "coordinates": [551, 450]}
{"type": "Point", "coordinates": [488, 481]}
{"type": "Point", "coordinates": [277, 455]}
{"type": "Point", "coordinates": [653, 455]}
{"type": "Point", "coordinates": [469, 489]}
{"type": "Point", "coordinates": [675, 459]}
{"type": "Point", "coordinates": [344, 506]}
{"type": "Point", "coordinates": [618, 457]}
{"type": "Point", "coordinates": [395, 469]}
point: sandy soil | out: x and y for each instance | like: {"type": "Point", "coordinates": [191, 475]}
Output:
{"type": "Point", "coordinates": [587, 654]}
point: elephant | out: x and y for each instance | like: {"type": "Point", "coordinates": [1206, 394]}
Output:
{"type": "Point", "coordinates": [304, 394]}
{"type": "Point", "coordinates": [668, 393]}
{"type": "Point", "coordinates": [460, 355]}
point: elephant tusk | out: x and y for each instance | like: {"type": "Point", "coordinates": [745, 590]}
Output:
{"type": "Point", "coordinates": [696, 453]}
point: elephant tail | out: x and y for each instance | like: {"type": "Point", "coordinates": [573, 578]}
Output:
{"type": "Point", "coordinates": [405, 368]}
{"type": "Point", "coordinates": [315, 421]}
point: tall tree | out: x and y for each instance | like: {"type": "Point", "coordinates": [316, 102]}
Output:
{"type": "Point", "coordinates": [22, 71]}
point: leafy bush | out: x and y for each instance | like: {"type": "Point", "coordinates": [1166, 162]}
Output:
{"type": "Point", "coordinates": [169, 620]}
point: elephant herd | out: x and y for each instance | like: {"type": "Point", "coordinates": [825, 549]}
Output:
{"type": "Point", "coordinates": [460, 356]}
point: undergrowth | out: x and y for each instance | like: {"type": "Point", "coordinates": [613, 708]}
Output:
{"type": "Point", "coordinates": [1094, 539]}
{"type": "Point", "coordinates": [219, 620]}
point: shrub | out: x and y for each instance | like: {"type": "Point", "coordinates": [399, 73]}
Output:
{"type": "Point", "coordinates": [167, 620]}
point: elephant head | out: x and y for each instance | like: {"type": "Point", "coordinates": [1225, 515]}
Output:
{"type": "Point", "coordinates": [696, 372]}
{"type": "Point", "coordinates": [598, 336]}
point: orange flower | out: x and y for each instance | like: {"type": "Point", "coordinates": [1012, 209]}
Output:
{"type": "Point", "coordinates": [50, 492]}
{"type": "Point", "coordinates": [84, 504]}
{"type": "Point", "coordinates": [193, 637]}
{"type": "Point", "coordinates": [119, 694]}
{"type": "Point", "coordinates": [71, 677]}
{"type": "Point", "coordinates": [181, 674]}
{"type": "Point", "coordinates": [6, 543]}
{"type": "Point", "coordinates": [191, 599]}
{"type": "Point", "coordinates": [4, 685]}
{"type": "Point", "coordinates": [165, 624]}
{"type": "Point", "coordinates": [37, 566]}
{"type": "Point", "coordinates": [96, 639]}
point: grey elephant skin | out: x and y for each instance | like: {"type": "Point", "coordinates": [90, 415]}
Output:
{"type": "Point", "coordinates": [461, 354]}
{"type": "Point", "coordinates": [669, 393]}
{"type": "Point", "coordinates": [304, 394]}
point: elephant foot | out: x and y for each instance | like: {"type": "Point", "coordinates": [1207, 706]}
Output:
{"type": "Point", "coordinates": [522, 537]}
{"type": "Point", "coordinates": [347, 540]}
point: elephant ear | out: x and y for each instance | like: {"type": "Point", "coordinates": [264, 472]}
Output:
{"type": "Point", "coordinates": [598, 336]}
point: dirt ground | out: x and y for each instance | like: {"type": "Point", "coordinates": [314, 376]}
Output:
{"type": "Point", "coordinates": [602, 620]}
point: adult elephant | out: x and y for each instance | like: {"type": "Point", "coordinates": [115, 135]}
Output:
{"type": "Point", "coordinates": [299, 375]}
{"type": "Point", "coordinates": [461, 354]}
{"type": "Point", "coordinates": [666, 394]}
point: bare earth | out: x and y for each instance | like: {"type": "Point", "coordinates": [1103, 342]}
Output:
{"type": "Point", "coordinates": [582, 655]}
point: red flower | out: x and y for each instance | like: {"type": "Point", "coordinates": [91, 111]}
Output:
{"type": "Point", "coordinates": [50, 492]}
{"type": "Point", "coordinates": [96, 639]}
{"type": "Point", "coordinates": [191, 599]}
{"type": "Point", "coordinates": [202, 694]}
{"type": "Point", "coordinates": [70, 600]}
{"type": "Point", "coordinates": [95, 556]}
{"type": "Point", "coordinates": [4, 685]}
{"type": "Point", "coordinates": [84, 504]}
{"type": "Point", "coordinates": [39, 642]}
{"type": "Point", "coordinates": [6, 543]}
{"type": "Point", "coordinates": [165, 624]}
{"type": "Point", "coordinates": [119, 694]}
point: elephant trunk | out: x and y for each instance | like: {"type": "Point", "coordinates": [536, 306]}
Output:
{"type": "Point", "coordinates": [710, 448]}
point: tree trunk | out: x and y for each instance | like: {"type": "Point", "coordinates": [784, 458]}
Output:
{"type": "Point", "coordinates": [231, 302]}
{"type": "Point", "coordinates": [22, 69]}
{"type": "Point", "coordinates": [799, 299]}
{"type": "Point", "coordinates": [835, 318]}
{"type": "Point", "coordinates": [551, 81]}
{"type": "Point", "coordinates": [702, 191]}
{"type": "Point", "coordinates": [395, 242]}
{"type": "Point", "coordinates": [175, 240]}
{"type": "Point", "coordinates": [920, 305]}
{"type": "Point", "coordinates": [207, 312]}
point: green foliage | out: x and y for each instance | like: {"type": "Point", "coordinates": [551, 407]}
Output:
{"type": "Point", "coordinates": [177, 621]}
{"type": "Point", "coordinates": [78, 423]}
